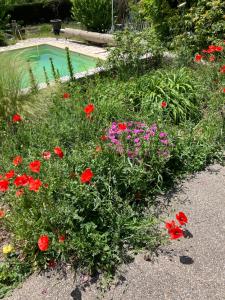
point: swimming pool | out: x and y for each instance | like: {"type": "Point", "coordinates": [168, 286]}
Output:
{"type": "Point", "coordinates": [39, 57]}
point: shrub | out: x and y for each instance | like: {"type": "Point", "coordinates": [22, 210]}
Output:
{"type": "Point", "coordinates": [2, 39]}
{"type": "Point", "coordinates": [197, 24]}
{"type": "Point", "coordinates": [162, 15]}
{"type": "Point", "coordinates": [131, 49]}
{"type": "Point", "coordinates": [204, 25]}
{"type": "Point", "coordinates": [178, 89]}
{"type": "Point", "coordinates": [4, 7]}
{"type": "Point", "coordinates": [94, 14]}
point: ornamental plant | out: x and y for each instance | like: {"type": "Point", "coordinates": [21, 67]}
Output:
{"type": "Point", "coordinates": [16, 118]}
{"type": "Point", "coordinates": [135, 51]}
{"type": "Point", "coordinates": [2, 213]}
{"type": "Point", "coordinates": [139, 141]}
{"type": "Point", "coordinates": [58, 151]}
{"type": "Point", "coordinates": [43, 242]}
{"type": "Point", "coordinates": [11, 78]}
{"type": "Point", "coordinates": [89, 110]}
{"type": "Point", "coordinates": [176, 231]}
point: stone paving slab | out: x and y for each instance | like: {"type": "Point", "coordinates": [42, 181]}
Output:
{"type": "Point", "coordinates": [94, 51]}
{"type": "Point", "coordinates": [189, 269]}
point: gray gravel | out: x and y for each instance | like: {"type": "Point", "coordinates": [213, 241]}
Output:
{"type": "Point", "coordinates": [190, 269]}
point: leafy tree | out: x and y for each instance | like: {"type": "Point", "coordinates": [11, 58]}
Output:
{"type": "Point", "coordinates": [54, 4]}
{"type": "Point", "coordinates": [163, 14]}
{"type": "Point", "coordinates": [191, 23]}
{"type": "Point", "coordinates": [94, 14]}
{"type": "Point", "coordinates": [4, 7]}
{"type": "Point", "coordinates": [204, 23]}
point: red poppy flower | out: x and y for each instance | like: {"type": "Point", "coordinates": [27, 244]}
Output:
{"type": "Point", "coordinates": [21, 180]}
{"type": "Point", "coordinates": [19, 192]}
{"type": "Point", "coordinates": [43, 242]}
{"type": "Point", "coordinates": [104, 138]}
{"type": "Point", "coordinates": [212, 47]}
{"type": "Point", "coordinates": [35, 166]}
{"type": "Point", "coordinates": [164, 104]}
{"type": "Point", "coordinates": [66, 95]}
{"type": "Point", "coordinates": [16, 118]}
{"type": "Point", "coordinates": [46, 155]}
{"type": "Point", "coordinates": [2, 213]}
{"type": "Point", "coordinates": [34, 185]}
{"type": "Point", "coordinates": [223, 90]}
{"type": "Point", "coordinates": [10, 174]}
{"type": "Point", "coordinates": [122, 126]}
{"type": "Point", "coordinates": [46, 185]}
{"type": "Point", "coordinates": [86, 176]}
{"type": "Point", "coordinates": [222, 69]}
{"type": "Point", "coordinates": [181, 218]}
{"type": "Point", "coordinates": [89, 109]}
{"type": "Point", "coordinates": [4, 185]}
{"type": "Point", "coordinates": [208, 51]}
{"type": "Point", "coordinates": [212, 58]}
{"type": "Point", "coordinates": [218, 48]}
{"type": "Point", "coordinates": [198, 57]}
{"type": "Point", "coordinates": [62, 238]}
{"type": "Point", "coordinates": [98, 149]}
{"type": "Point", "coordinates": [170, 225]}
{"type": "Point", "coordinates": [58, 151]}
{"type": "Point", "coordinates": [17, 160]}
{"type": "Point", "coordinates": [176, 233]}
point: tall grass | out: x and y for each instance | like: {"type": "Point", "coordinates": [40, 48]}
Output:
{"type": "Point", "coordinates": [11, 76]}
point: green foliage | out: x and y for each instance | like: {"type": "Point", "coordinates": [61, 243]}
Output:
{"type": "Point", "coordinates": [94, 14]}
{"type": "Point", "coordinates": [46, 76]}
{"type": "Point", "coordinates": [69, 64]}
{"type": "Point", "coordinates": [179, 88]}
{"type": "Point", "coordinates": [113, 215]}
{"type": "Point", "coordinates": [54, 71]}
{"type": "Point", "coordinates": [204, 23]}
{"type": "Point", "coordinates": [195, 25]}
{"type": "Point", "coordinates": [2, 39]}
{"type": "Point", "coordinates": [11, 76]}
{"type": "Point", "coordinates": [33, 83]}
{"type": "Point", "coordinates": [131, 49]}
{"type": "Point", "coordinates": [4, 18]}
{"type": "Point", "coordinates": [165, 18]}
{"type": "Point", "coordinates": [12, 272]}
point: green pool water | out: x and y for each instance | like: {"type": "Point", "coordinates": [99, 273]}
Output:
{"type": "Point", "coordinates": [38, 58]}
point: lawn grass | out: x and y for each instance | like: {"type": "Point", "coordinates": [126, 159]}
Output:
{"type": "Point", "coordinates": [45, 30]}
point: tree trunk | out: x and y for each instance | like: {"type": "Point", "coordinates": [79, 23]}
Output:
{"type": "Point", "coordinates": [122, 9]}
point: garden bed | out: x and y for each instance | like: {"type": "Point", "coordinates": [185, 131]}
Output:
{"type": "Point", "coordinates": [88, 165]}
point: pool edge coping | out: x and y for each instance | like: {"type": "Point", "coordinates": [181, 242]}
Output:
{"type": "Point", "coordinates": [65, 79]}
{"type": "Point", "coordinates": [88, 50]}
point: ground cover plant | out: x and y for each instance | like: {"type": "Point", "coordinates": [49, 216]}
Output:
{"type": "Point", "coordinates": [79, 176]}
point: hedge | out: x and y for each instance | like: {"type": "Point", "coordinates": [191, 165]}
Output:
{"type": "Point", "coordinates": [32, 13]}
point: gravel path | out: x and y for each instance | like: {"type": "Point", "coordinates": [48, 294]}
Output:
{"type": "Point", "coordinates": [190, 269]}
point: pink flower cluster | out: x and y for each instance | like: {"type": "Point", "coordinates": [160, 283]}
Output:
{"type": "Point", "coordinates": [129, 137]}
